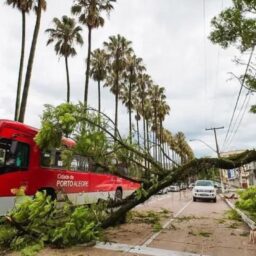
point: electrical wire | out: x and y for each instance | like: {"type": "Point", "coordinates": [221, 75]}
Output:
{"type": "Point", "coordinates": [205, 59]}
{"type": "Point", "coordinates": [238, 97]}
{"type": "Point", "coordinates": [242, 111]}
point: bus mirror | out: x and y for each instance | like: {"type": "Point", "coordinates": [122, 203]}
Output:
{"type": "Point", "coordinates": [14, 147]}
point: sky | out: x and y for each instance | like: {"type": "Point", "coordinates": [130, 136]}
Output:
{"type": "Point", "coordinates": [171, 37]}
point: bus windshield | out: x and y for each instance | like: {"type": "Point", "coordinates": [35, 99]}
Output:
{"type": "Point", "coordinates": [13, 155]}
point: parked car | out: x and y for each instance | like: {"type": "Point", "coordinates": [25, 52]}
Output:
{"type": "Point", "coordinates": [204, 189]}
{"type": "Point", "coordinates": [174, 188]}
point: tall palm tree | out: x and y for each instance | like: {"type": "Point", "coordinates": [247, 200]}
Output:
{"type": "Point", "coordinates": [172, 144]}
{"type": "Point", "coordinates": [24, 6]}
{"type": "Point", "coordinates": [117, 49]}
{"type": "Point", "coordinates": [144, 83]}
{"type": "Point", "coordinates": [89, 12]}
{"type": "Point", "coordinates": [39, 6]}
{"type": "Point", "coordinates": [98, 70]}
{"type": "Point", "coordinates": [181, 145]}
{"type": "Point", "coordinates": [137, 116]}
{"type": "Point", "coordinates": [163, 110]}
{"type": "Point", "coordinates": [133, 67]}
{"type": "Point", "coordinates": [66, 34]}
{"type": "Point", "coordinates": [148, 120]}
{"type": "Point", "coordinates": [157, 96]}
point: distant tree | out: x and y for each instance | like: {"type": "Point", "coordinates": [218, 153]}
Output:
{"type": "Point", "coordinates": [66, 34]}
{"type": "Point", "coordinates": [38, 7]}
{"type": "Point", "coordinates": [24, 6]}
{"type": "Point", "coordinates": [98, 70]}
{"type": "Point", "coordinates": [89, 12]}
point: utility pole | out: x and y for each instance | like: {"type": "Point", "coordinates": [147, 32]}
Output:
{"type": "Point", "coordinates": [217, 149]}
{"type": "Point", "coordinates": [215, 135]}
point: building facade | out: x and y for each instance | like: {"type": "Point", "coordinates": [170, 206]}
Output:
{"type": "Point", "coordinates": [244, 176]}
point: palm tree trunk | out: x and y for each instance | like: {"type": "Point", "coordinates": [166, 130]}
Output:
{"type": "Point", "coordinates": [30, 64]}
{"type": "Point", "coordinates": [156, 146]}
{"type": "Point", "coordinates": [99, 98]}
{"type": "Point", "coordinates": [144, 125]}
{"type": "Point", "coordinates": [88, 66]}
{"type": "Point", "coordinates": [17, 104]}
{"type": "Point", "coordinates": [68, 82]}
{"type": "Point", "coordinates": [138, 131]}
{"type": "Point", "coordinates": [147, 134]}
{"type": "Point", "coordinates": [130, 112]}
{"type": "Point", "coordinates": [116, 102]}
{"type": "Point", "coordinates": [161, 155]}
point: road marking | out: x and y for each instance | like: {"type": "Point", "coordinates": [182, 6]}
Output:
{"type": "Point", "coordinates": [150, 251]}
{"type": "Point", "coordinates": [149, 241]}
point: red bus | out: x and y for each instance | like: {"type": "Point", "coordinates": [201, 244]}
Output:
{"type": "Point", "coordinates": [23, 164]}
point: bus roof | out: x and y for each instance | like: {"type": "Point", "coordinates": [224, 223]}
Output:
{"type": "Point", "coordinates": [30, 130]}
{"type": "Point", "coordinates": [17, 126]}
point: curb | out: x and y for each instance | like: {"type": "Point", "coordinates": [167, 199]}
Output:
{"type": "Point", "coordinates": [245, 218]}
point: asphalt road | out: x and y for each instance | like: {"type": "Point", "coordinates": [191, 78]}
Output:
{"type": "Point", "coordinates": [199, 227]}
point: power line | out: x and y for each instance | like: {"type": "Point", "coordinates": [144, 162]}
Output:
{"type": "Point", "coordinates": [236, 120]}
{"type": "Point", "coordinates": [205, 57]}
{"type": "Point", "coordinates": [238, 97]}
{"type": "Point", "coordinates": [242, 116]}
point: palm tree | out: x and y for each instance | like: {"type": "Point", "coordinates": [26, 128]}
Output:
{"type": "Point", "coordinates": [144, 83]}
{"type": "Point", "coordinates": [163, 110]}
{"type": "Point", "coordinates": [66, 34]}
{"type": "Point", "coordinates": [137, 116]}
{"type": "Point", "coordinates": [148, 120]}
{"type": "Point", "coordinates": [156, 96]}
{"type": "Point", "coordinates": [98, 70]}
{"type": "Point", "coordinates": [133, 68]}
{"type": "Point", "coordinates": [117, 49]}
{"type": "Point", "coordinates": [24, 6]}
{"type": "Point", "coordinates": [89, 12]}
{"type": "Point", "coordinates": [41, 5]}
{"type": "Point", "coordinates": [172, 144]}
{"type": "Point", "coordinates": [181, 145]}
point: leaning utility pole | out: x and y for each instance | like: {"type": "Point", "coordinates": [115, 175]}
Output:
{"type": "Point", "coordinates": [217, 150]}
{"type": "Point", "coordinates": [215, 135]}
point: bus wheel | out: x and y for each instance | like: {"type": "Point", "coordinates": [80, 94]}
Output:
{"type": "Point", "coordinates": [118, 195]}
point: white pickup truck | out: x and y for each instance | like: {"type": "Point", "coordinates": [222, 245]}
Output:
{"type": "Point", "coordinates": [204, 189]}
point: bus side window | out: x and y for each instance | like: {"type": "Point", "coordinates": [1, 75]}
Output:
{"type": "Point", "coordinates": [51, 158]}
{"type": "Point", "coordinates": [22, 157]}
{"type": "Point", "coordinates": [46, 159]}
{"type": "Point", "coordinates": [58, 161]}
{"type": "Point", "coordinates": [80, 163]}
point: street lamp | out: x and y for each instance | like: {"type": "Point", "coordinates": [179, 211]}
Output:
{"type": "Point", "coordinates": [207, 145]}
